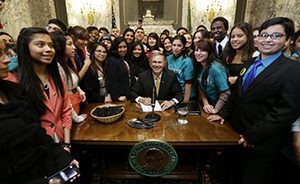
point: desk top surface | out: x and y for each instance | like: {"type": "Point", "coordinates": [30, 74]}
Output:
{"type": "Point", "coordinates": [198, 131]}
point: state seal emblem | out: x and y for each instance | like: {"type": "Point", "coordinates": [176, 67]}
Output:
{"type": "Point", "coordinates": [153, 158]}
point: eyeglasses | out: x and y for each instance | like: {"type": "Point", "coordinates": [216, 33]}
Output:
{"type": "Point", "coordinates": [273, 36]}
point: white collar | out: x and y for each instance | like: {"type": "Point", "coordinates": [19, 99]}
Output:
{"type": "Point", "coordinates": [223, 42]}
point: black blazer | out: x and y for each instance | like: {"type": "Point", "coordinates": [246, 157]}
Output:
{"type": "Point", "coordinates": [265, 112]}
{"type": "Point", "coordinates": [169, 86]}
{"type": "Point", "coordinates": [118, 78]}
{"type": "Point", "coordinates": [90, 85]}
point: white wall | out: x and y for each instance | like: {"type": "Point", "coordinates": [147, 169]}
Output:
{"type": "Point", "coordinates": [102, 9]}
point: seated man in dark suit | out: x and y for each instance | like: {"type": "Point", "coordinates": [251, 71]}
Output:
{"type": "Point", "coordinates": [165, 81]}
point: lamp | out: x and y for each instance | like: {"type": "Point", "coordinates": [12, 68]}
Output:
{"type": "Point", "coordinates": [88, 13]}
{"type": "Point", "coordinates": [212, 9]}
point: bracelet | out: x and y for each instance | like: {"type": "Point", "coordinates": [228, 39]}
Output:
{"type": "Point", "coordinates": [66, 145]}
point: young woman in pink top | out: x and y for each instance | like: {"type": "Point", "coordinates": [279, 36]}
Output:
{"type": "Point", "coordinates": [38, 74]}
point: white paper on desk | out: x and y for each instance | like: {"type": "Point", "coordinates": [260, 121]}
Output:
{"type": "Point", "coordinates": [148, 108]}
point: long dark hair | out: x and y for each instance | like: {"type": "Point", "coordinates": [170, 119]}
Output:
{"type": "Point", "coordinates": [78, 32]}
{"type": "Point", "coordinates": [115, 46]}
{"type": "Point", "coordinates": [27, 76]}
{"type": "Point", "coordinates": [59, 41]}
{"type": "Point", "coordinates": [93, 65]}
{"type": "Point", "coordinates": [208, 46]}
{"type": "Point", "coordinates": [156, 46]}
{"type": "Point", "coordinates": [183, 41]}
{"type": "Point", "coordinates": [296, 36]}
{"type": "Point", "coordinates": [143, 54]}
{"type": "Point", "coordinates": [126, 31]}
{"type": "Point", "coordinates": [248, 48]}
{"type": "Point", "coordinates": [141, 63]}
{"type": "Point", "coordinates": [165, 51]}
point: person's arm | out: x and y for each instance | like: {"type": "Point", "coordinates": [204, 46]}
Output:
{"type": "Point", "coordinates": [176, 92]}
{"type": "Point", "coordinates": [67, 139]}
{"type": "Point", "coordinates": [136, 91]}
{"type": "Point", "coordinates": [84, 68]}
{"type": "Point", "coordinates": [167, 104]}
{"type": "Point", "coordinates": [81, 93]}
{"type": "Point", "coordinates": [206, 106]}
{"type": "Point", "coordinates": [187, 91]}
{"type": "Point", "coordinates": [223, 97]}
{"type": "Point", "coordinates": [66, 117]}
{"type": "Point", "coordinates": [188, 72]}
{"type": "Point", "coordinates": [219, 76]}
{"type": "Point", "coordinates": [144, 100]}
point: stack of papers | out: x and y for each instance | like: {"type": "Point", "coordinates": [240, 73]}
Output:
{"type": "Point", "coordinates": [148, 108]}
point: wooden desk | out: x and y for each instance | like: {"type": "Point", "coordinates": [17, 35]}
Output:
{"type": "Point", "coordinates": [198, 132]}
{"type": "Point", "coordinates": [119, 138]}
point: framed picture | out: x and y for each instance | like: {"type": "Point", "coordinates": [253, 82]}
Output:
{"type": "Point", "coordinates": [155, 6]}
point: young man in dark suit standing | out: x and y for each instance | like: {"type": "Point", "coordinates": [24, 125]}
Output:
{"type": "Point", "coordinates": [266, 103]}
{"type": "Point", "coordinates": [165, 82]}
{"type": "Point", "coordinates": [219, 28]}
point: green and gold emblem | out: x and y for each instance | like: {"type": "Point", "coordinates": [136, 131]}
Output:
{"type": "Point", "coordinates": [153, 158]}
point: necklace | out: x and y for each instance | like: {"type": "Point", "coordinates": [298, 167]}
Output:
{"type": "Point", "coordinates": [46, 87]}
{"type": "Point", "coordinates": [100, 75]}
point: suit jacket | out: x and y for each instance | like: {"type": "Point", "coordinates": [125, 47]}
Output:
{"type": "Point", "coordinates": [265, 112]}
{"type": "Point", "coordinates": [57, 115]}
{"type": "Point", "coordinates": [169, 86]}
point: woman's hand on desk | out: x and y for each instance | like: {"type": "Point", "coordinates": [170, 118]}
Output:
{"type": "Point", "coordinates": [215, 118]}
{"type": "Point", "coordinates": [209, 109]}
{"type": "Point", "coordinates": [107, 98]}
{"type": "Point", "coordinates": [242, 141]}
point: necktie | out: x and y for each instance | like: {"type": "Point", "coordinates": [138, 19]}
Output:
{"type": "Point", "coordinates": [251, 75]}
{"type": "Point", "coordinates": [157, 84]}
{"type": "Point", "coordinates": [220, 49]}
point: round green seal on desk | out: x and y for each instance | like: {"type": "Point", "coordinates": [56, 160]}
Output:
{"type": "Point", "coordinates": [153, 158]}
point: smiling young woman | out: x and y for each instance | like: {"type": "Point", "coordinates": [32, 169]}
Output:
{"type": "Point", "coordinates": [239, 51]}
{"type": "Point", "coordinates": [38, 74]}
{"type": "Point", "coordinates": [29, 152]}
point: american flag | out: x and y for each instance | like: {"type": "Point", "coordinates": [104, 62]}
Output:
{"type": "Point", "coordinates": [113, 18]}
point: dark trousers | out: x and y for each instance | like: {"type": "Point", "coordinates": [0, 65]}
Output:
{"type": "Point", "coordinates": [245, 167]}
